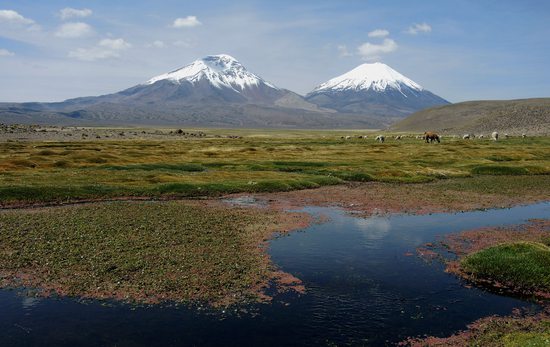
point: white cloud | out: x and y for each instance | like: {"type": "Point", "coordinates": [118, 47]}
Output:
{"type": "Point", "coordinates": [379, 33]}
{"type": "Point", "coordinates": [74, 30]}
{"type": "Point", "coordinates": [14, 18]}
{"type": "Point", "coordinates": [9, 16]}
{"type": "Point", "coordinates": [69, 12]}
{"type": "Point", "coordinates": [186, 22]}
{"type": "Point", "coordinates": [371, 51]}
{"type": "Point", "coordinates": [6, 53]}
{"type": "Point", "coordinates": [419, 28]}
{"type": "Point", "coordinates": [105, 49]}
{"type": "Point", "coordinates": [116, 44]}
{"type": "Point", "coordinates": [343, 50]}
{"type": "Point", "coordinates": [93, 54]}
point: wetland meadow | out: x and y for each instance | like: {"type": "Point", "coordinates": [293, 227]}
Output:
{"type": "Point", "coordinates": [245, 227]}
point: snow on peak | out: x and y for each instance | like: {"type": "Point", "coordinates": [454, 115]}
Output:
{"type": "Point", "coordinates": [220, 70]}
{"type": "Point", "coordinates": [375, 76]}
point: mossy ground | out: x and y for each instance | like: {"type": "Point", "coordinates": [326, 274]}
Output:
{"type": "Point", "coordinates": [142, 251]}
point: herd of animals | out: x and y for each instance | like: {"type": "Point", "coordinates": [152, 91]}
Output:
{"type": "Point", "coordinates": [430, 137]}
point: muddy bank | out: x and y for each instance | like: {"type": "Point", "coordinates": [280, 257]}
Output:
{"type": "Point", "coordinates": [451, 195]}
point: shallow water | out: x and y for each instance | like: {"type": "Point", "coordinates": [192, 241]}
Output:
{"type": "Point", "coordinates": [362, 290]}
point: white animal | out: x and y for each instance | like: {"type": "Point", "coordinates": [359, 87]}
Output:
{"type": "Point", "coordinates": [494, 136]}
{"type": "Point", "coordinates": [506, 136]}
{"type": "Point", "coordinates": [523, 136]}
{"type": "Point", "coordinates": [466, 137]}
{"type": "Point", "coordinates": [398, 137]}
{"type": "Point", "coordinates": [348, 137]}
{"type": "Point", "coordinates": [380, 138]}
{"type": "Point", "coordinates": [481, 136]}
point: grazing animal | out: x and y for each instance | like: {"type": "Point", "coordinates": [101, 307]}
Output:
{"type": "Point", "coordinates": [466, 137]}
{"type": "Point", "coordinates": [398, 137]}
{"type": "Point", "coordinates": [481, 136]}
{"type": "Point", "coordinates": [506, 136]}
{"type": "Point", "coordinates": [380, 138]}
{"type": "Point", "coordinates": [348, 137]}
{"type": "Point", "coordinates": [431, 137]}
{"type": "Point", "coordinates": [523, 136]}
{"type": "Point", "coordinates": [494, 136]}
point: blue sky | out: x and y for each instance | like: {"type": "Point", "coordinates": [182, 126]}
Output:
{"type": "Point", "coordinates": [458, 49]}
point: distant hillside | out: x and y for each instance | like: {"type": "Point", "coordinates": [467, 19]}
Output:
{"type": "Point", "coordinates": [530, 116]}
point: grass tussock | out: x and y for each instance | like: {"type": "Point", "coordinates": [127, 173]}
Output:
{"type": "Point", "coordinates": [523, 265]}
{"type": "Point", "coordinates": [264, 161]}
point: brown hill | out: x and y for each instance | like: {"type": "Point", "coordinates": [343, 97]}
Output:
{"type": "Point", "coordinates": [529, 116]}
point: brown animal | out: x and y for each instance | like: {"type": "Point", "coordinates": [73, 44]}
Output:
{"type": "Point", "coordinates": [431, 137]}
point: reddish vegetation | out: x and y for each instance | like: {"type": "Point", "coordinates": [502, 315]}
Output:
{"type": "Point", "coordinates": [382, 198]}
{"type": "Point", "coordinates": [471, 241]}
{"type": "Point", "coordinates": [487, 331]}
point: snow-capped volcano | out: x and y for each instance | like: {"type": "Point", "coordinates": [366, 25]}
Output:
{"type": "Point", "coordinates": [220, 70]}
{"type": "Point", "coordinates": [373, 89]}
{"type": "Point", "coordinates": [376, 76]}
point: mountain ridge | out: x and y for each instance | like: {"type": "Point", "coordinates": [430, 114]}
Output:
{"type": "Point", "coordinates": [216, 90]}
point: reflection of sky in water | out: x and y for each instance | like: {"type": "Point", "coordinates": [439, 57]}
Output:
{"type": "Point", "coordinates": [29, 302]}
{"type": "Point", "coordinates": [373, 228]}
{"type": "Point", "coordinates": [361, 290]}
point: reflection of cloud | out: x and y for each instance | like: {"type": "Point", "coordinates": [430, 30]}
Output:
{"type": "Point", "coordinates": [29, 302]}
{"type": "Point", "coordinates": [373, 228]}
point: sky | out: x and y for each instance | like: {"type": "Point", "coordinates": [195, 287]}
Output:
{"type": "Point", "coordinates": [458, 49]}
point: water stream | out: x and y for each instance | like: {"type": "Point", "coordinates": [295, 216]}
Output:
{"type": "Point", "coordinates": [362, 290]}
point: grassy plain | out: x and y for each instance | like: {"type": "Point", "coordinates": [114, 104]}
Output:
{"type": "Point", "coordinates": [261, 161]}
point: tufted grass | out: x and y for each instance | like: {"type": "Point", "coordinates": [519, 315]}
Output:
{"type": "Point", "coordinates": [521, 265]}
{"type": "Point", "coordinates": [260, 161]}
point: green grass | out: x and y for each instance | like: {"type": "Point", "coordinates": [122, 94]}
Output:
{"type": "Point", "coordinates": [149, 252]}
{"type": "Point", "coordinates": [521, 265]}
{"type": "Point", "coordinates": [260, 161]}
